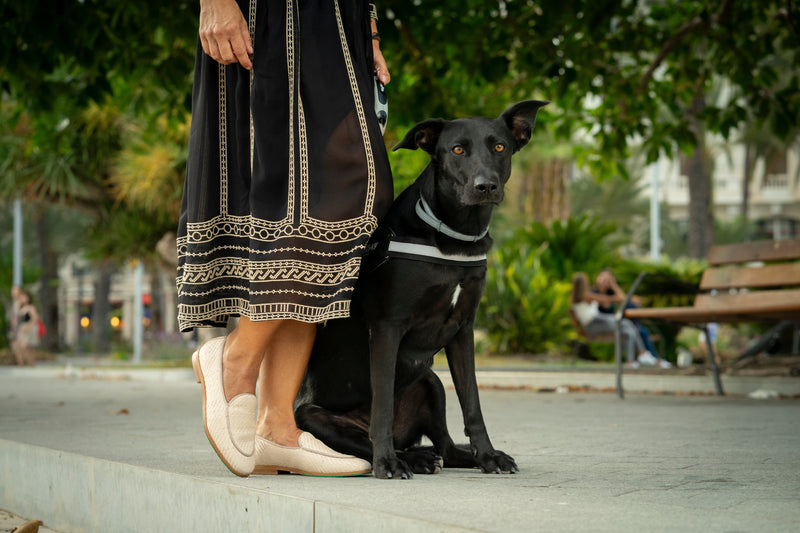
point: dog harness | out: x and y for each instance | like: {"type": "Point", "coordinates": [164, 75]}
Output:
{"type": "Point", "coordinates": [394, 246]}
{"type": "Point", "coordinates": [431, 254]}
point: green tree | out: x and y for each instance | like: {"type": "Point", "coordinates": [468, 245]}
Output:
{"type": "Point", "coordinates": [623, 71]}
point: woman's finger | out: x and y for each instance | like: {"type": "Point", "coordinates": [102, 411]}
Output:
{"type": "Point", "coordinates": [380, 66]}
{"type": "Point", "coordinates": [243, 47]}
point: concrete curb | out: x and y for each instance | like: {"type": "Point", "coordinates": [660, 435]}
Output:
{"type": "Point", "coordinates": [632, 382]}
{"type": "Point", "coordinates": [556, 380]}
{"type": "Point", "coordinates": [88, 494]}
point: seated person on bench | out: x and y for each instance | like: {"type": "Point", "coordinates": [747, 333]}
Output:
{"type": "Point", "coordinates": [585, 304]}
{"type": "Point", "coordinates": [606, 284]}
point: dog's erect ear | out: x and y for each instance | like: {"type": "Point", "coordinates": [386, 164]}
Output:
{"type": "Point", "coordinates": [424, 135]}
{"type": "Point", "coordinates": [520, 118]}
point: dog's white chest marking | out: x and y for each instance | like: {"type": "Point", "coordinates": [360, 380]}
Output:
{"type": "Point", "coordinates": [456, 294]}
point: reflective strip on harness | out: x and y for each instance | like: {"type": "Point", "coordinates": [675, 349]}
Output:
{"type": "Point", "coordinates": [431, 254]}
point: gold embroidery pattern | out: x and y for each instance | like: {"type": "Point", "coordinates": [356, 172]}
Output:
{"type": "Point", "coordinates": [184, 250]}
{"type": "Point", "coordinates": [292, 89]}
{"type": "Point", "coordinates": [266, 231]}
{"type": "Point", "coordinates": [278, 270]}
{"type": "Point", "coordinates": [251, 27]}
{"type": "Point", "coordinates": [223, 140]}
{"type": "Point", "coordinates": [202, 314]}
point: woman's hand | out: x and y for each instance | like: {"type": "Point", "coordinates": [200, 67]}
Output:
{"type": "Point", "coordinates": [380, 63]}
{"type": "Point", "coordinates": [224, 34]}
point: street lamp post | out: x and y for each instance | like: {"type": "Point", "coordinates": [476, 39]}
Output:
{"type": "Point", "coordinates": [17, 274]}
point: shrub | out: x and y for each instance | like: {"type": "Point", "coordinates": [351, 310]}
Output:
{"type": "Point", "coordinates": [523, 308]}
{"type": "Point", "coordinates": [578, 244]}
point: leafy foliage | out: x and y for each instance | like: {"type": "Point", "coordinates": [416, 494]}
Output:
{"type": "Point", "coordinates": [523, 308]}
{"type": "Point", "coordinates": [577, 244]}
{"type": "Point", "coordinates": [148, 172]}
{"type": "Point", "coordinates": [666, 284]}
{"type": "Point", "coordinates": [622, 70]}
{"type": "Point", "coordinates": [58, 56]}
{"type": "Point", "coordinates": [526, 300]}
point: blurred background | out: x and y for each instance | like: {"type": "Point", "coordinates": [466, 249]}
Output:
{"type": "Point", "coordinates": [673, 126]}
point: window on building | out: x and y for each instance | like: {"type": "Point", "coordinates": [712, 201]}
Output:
{"type": "Point", "coordinates": [777, 164]}
{"type": "Point", "coordinates": [778, 229]}
{"type": "Point", "coordinates": [775, 176]}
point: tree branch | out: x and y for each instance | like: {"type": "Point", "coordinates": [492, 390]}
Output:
{"type": "Point", "coordinates": [696, 24]}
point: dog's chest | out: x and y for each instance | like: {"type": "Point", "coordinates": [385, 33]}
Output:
{"type": "Point", "coordinates": [441, 313]}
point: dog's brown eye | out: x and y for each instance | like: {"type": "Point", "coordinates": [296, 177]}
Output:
{"type": "Point", "coordinates": [499, 147]}
{"type": "Point", "coordinates": [458, 149]}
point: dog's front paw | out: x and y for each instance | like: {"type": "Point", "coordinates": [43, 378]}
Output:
{"type": "Point", "coordinates": [497, 462]}
{"type": "Point", "coordinates": [422, 460]}
{"type": "Point", "coordinates": [391, 468]}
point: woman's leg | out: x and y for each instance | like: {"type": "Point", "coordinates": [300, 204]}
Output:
{"type": "Point", "coordinates": [19, 357]}
{"type": "Point", "coordinates": [602, 323]}
{"type": "Point", "coordinates": [605, 323]}
{"type": "Point", "coordinates": [280, 350]}
{"type": "Point", "coordinates": [282, 371]}
{"type": "Point", "coordinates": [29, 354]}
{"type": "Point", "coordinates": [633, 342]}
{"type": "Point", "coordinates": [244, 350]}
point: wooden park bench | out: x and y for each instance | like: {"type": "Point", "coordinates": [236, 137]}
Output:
{"type": "Point", "coordinates": [746, 282]}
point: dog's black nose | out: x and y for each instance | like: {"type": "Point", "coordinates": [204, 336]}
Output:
{"type": "Point", "coordinates": [485, 185]}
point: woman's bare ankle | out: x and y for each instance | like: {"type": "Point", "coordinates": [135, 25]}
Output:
{"type": "Point", "coordinates": [285, 436]}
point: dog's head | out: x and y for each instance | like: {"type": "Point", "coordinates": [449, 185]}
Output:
{"type": "Point", "coordinates": [472, 156]}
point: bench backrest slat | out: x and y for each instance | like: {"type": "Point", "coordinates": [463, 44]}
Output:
{"type": "Point", "coordinates": [755, 302]}
{"type": "Point", "coordinates": [727, 277]}
{"type": "Point", "coordinates": [725, 254]}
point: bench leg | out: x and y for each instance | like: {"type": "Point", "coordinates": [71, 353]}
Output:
{"type": "Point", "coordinates": [713, 358]}
{"type": "Point", "coordinates": [618, 359]}
{"type": "Point", "coordinates": [796, 339]}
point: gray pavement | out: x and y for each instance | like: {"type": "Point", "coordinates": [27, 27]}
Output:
{"type": "Point", "coordinates": [127, 452]}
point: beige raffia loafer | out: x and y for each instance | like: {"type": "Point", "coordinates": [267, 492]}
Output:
{"type": "Point", "coordinates": [310, 458]}
{"type": "Point", "coordinates": [230, 426]}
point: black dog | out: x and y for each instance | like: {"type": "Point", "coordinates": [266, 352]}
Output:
{"type": "Point", "coordinates": [369, 389]}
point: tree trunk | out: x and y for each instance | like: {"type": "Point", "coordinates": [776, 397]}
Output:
{"type": "Point", "coordinates": [547, 192]}
{"type": "Point", "coordinates": [156, 301]}
{"type": "Point", "coordinates": [701, 216]}
{"type": "Point", "coordinates": [48, 292]}
{"type": "Point", "coordinates": [748, 177]}
{"type": "Point", "coordinates": [101, 337]}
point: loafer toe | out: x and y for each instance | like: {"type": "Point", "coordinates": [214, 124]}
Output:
{"type": "Point", "coordinates": [230, 426]}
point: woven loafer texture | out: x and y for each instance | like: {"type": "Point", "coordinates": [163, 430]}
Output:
{"type": "Point", "coordinates": [230, 426]}
{"type": "Point", "coordinates": [310, 458]}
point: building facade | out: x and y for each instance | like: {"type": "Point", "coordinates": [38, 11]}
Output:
{"type": "Point", "coordinates": [774, 190]}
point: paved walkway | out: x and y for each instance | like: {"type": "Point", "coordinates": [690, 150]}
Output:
{"type": "Point", "coordinates": [121, 454]}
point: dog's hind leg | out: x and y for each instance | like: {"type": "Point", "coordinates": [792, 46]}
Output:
{"type": "Point", "coordinates": [421, 411]}
{"type": "Point", "coordinates": [344, 432]}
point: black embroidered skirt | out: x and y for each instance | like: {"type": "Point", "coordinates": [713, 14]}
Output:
{"type": "Point", "coordinates": [287, 172]}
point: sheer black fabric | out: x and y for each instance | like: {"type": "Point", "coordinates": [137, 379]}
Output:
{"type": "Point", "coordinates": [287, 172]}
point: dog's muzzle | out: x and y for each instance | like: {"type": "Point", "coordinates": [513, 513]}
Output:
{"type": "Point", "coordinates": [486, 190]}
